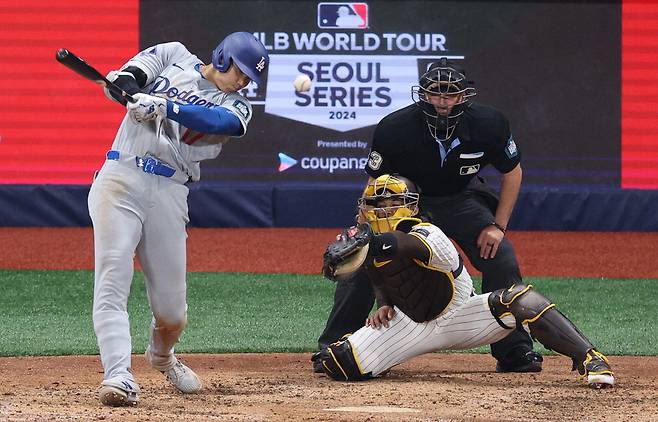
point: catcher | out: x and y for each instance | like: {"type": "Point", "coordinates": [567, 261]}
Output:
{"type": "Point", "coordinates": [426, 298]}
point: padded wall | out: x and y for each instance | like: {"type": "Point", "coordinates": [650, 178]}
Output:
{"type": "Point", "coordinates": [333, 206]}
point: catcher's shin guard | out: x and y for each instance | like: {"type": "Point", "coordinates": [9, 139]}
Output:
{"type": "Point", "coordinates": [545, 323]}
{"type": "Point", "coordinates": [339, 362]}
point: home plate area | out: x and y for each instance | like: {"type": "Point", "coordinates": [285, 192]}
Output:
{"type": "Point", "coordinates": [282, 387]}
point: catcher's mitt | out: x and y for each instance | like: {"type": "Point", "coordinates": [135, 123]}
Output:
{"type": "Point", "coordinates": [347, 253]}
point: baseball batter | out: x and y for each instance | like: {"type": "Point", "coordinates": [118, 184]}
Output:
{"type": "Point", "coordinates": [427, 301]}
{"type": "Point", "coordinates": [185, 111]}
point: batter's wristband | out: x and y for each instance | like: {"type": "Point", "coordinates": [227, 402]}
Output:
{"type": "Point", "coordinates": [498, 226]}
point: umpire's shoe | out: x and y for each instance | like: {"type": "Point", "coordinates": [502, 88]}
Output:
{"type": "Point", "coordinates": [596, 369]}
{"type": "Point", "coordinates": [119, 391]}
{"type": "Point", "coordinates": [178, 374]}
{"type": "Point", "coordinates": [520, 361]}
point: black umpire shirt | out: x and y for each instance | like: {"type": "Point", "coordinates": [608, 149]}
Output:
{"type": "Point", "coordinates": [402, 144]}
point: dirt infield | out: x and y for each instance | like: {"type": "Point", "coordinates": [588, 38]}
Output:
{"type": "Point", "coordinates": [281, 387]}
{"type": "Point", "coordinates": [559, 254]}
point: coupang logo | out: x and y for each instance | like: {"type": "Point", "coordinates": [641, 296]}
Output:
{"type": "Point", "coordinates": [358, 75]}
{"type": "Point", "coordinates": [327, 164]}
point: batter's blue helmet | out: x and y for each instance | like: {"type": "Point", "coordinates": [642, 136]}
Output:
{"type": "Point", "coordinates": [243, 49]}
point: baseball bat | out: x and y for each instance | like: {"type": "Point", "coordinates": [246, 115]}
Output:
{"type": "Point", "coordinates": [84, 69]}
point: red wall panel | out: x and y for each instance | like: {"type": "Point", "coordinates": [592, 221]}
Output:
{"type": "Point", "coordinates": [55, 126]}
{"type": "Point", "coordinates": [639, 106]}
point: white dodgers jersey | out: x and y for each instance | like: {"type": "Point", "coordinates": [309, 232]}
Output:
{"type": "Point", "coordinates": [174, 73]}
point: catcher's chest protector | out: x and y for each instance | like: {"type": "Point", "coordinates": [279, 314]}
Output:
{"type": "Point", "coordinates": [421, 293]}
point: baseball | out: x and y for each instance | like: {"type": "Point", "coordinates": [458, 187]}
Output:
{"type": "Point", "coordinates": [302, 83]}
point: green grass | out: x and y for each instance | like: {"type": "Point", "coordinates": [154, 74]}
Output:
{"type": "Point", "coordinates": [49, 312]}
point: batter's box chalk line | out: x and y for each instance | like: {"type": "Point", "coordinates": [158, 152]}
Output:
{"type": "Point", "coordinates": [373, 409]}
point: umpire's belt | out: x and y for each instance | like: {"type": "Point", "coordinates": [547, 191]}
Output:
{"type": "Point", "coordinates": [149, 165]}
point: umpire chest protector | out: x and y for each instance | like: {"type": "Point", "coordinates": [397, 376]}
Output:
{"type": "Point", "coordinates": [403, 144]}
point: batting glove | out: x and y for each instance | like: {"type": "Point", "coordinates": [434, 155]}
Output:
{"type": "Point", "coordinates": [146, 108]}
{"type": "Point", "coordinates": [125, 81]}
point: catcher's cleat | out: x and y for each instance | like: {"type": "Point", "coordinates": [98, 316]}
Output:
{"type": "Point", "coordinates": [529, 361]}
{"type": "Point", "coordinates": [596, 369]}
{"type": "Point", "coordinates": [317, 363]}
{"type": "Point", "coordinates": [118, 391]}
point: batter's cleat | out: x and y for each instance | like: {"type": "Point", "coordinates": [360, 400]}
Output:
{"type": "Point", "coordinates": [183, 378]}
{"type": "Point", "coordinates": [521, 361]}
{"type": "Point", "coordinates": [596, 369]}
{"type": "Point", "coordinates": [178, 374]}
{"type": "Point", "coordinates": [118, 391]}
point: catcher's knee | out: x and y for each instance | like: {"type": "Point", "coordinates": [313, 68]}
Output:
{"type": "Point", "coordinates": [340, 363]}
{"type": "Point", "coordinates": [521, 301]}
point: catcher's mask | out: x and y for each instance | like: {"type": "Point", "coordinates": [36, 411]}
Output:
{"type": "Point", "coordinates": [388, 200]}
{"type": "Point", "coordinates": [443, 85]}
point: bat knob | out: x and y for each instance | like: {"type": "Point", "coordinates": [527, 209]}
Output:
{"type": "Point", "coordinates": [61, 54]}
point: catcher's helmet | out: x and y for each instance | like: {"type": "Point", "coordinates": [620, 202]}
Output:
{"type": "Point", "coordinates": [243, 49]}
{"type": "Point", "coordinates": [388, 200]}
{"type": "Point", "coordinates": [443, 77]}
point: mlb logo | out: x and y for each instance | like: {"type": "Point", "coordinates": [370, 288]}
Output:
{"type": "Point", "coordinates": [466, 170]}
{"type": "Point", "coordinates": [343, 15]}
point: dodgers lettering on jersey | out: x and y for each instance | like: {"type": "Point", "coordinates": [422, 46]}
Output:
{"type": "Point", "coordinates": [174, 73]}
{"type": "Point", "coordinates": [162, 88]}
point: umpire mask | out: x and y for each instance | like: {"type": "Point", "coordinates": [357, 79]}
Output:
{"type": "Point", "coordinates": [443, 94]}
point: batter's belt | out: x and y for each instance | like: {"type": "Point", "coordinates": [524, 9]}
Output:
{"type": "Point", "coordinates": [148, 165]}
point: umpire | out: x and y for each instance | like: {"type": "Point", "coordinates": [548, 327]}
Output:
{"type": "Point", "coordinates": [441, 143]}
